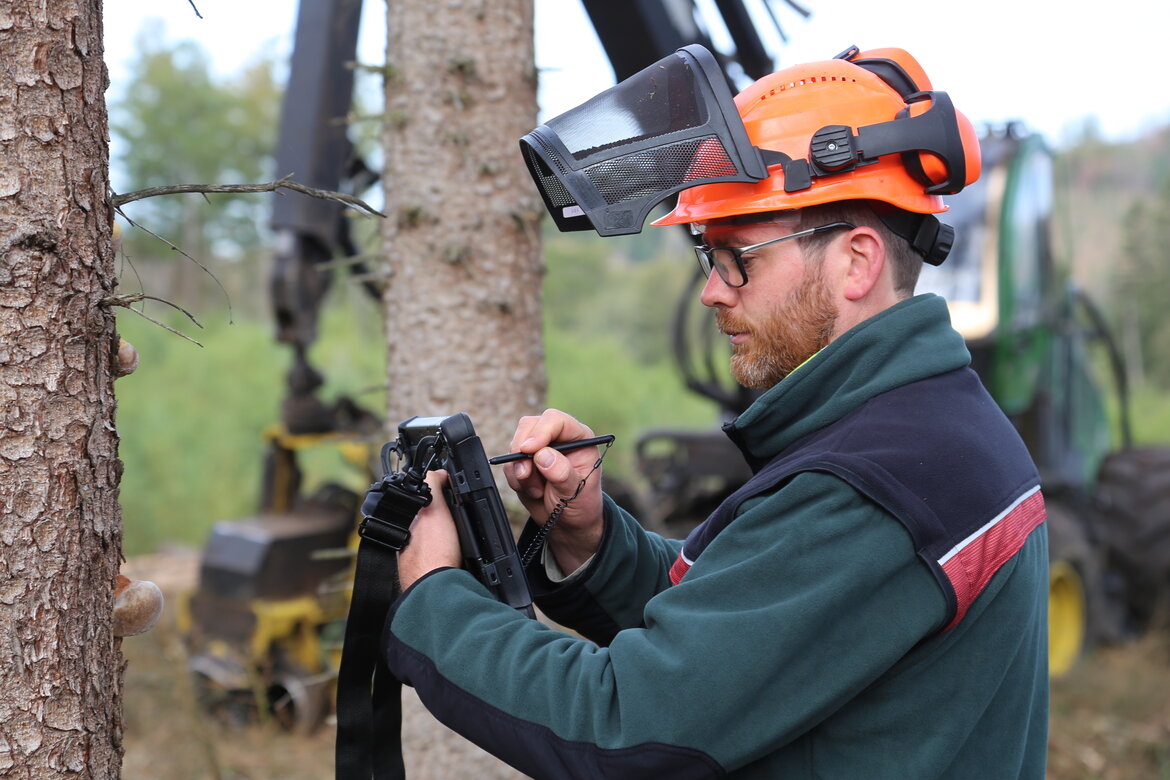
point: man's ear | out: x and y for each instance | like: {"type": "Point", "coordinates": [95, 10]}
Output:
{"type": "Point", "coordinates": [866, 257]}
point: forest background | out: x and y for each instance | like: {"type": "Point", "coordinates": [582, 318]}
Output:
{"type": "Point", "coordinates": [192, 418]}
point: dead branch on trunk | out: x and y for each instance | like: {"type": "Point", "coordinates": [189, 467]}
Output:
{"type": "Point", "coordinates": [125, 302]}
{"type": "Point", "coordinates": [286, 184]}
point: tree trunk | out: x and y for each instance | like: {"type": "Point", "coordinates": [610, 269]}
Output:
{"type": "Point", "coordinates": [60, 524]}
{"type": "Point", "coordinates": [462, 238]}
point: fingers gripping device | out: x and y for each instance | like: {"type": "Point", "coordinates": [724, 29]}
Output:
{"type": "Point", "coordinates": [426, 444]}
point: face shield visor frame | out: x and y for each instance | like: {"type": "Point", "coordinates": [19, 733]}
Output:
{"type": "Point", "coordinates": [675, 126]}
{"type": "Point", "coordinates": [606, 163]}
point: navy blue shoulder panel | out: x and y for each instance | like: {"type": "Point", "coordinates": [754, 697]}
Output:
{"type": "Point", "coordinates": [940, 456]}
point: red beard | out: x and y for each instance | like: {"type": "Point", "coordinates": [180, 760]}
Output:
{"type": "Point", "coordinates": [785, 338]}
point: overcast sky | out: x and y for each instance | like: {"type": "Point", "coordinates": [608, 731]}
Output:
{"type": "Point", "coordinates": [1050, 63]}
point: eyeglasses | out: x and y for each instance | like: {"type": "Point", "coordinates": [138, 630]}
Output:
{"type": "Point", "coordinates": [728, 262]}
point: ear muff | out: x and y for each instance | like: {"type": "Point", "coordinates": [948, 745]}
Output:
{"type": "Point", "coordinates": [934, 140]}
{"type": "Point", "coordinates": [947, 156]}
{"type": "Point", "coordinates": [904, 75]}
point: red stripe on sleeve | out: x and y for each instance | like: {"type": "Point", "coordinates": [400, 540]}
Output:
{"type": "Point", "coordinates": [970, 568]}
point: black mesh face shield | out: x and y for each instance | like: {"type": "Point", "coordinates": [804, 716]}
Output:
{"type": "Point", "coordinates": [605, 164]}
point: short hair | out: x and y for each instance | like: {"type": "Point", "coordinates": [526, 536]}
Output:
{"type": "Point", "coordinates": [906, 264]}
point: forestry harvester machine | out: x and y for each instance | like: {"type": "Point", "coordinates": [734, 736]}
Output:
{"type": "Point", "coordinates": [264, 625]}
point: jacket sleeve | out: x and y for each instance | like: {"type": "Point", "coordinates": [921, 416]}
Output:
{"type": "Point", "coordinates": [610, 592]}
{"type": "Point", "coordinates": [804, 600]}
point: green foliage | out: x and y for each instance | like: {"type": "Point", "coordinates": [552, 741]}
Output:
{"type": "Point", "coordinates": [1150, 415]}
{"type": "Point", "coordinates": [191, 420]}
{"type": "Point", "coordinates": [1144, 280]}
{"type": "Point", "coordinates": [627, 286]}
{"type": "Point", "coordinates": [598, 381]}
{"type": "Point", "coordinates": [177, 122]}
{"type": "Point", "coordinates": [1115, 206]}
{"type": "Point", "coordinates": [1112, 205]}
{"type": "Point", "coordinates": [608, 310]}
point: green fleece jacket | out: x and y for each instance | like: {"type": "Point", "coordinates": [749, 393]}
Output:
{"type": "Point", "coordinates": [809, 639]}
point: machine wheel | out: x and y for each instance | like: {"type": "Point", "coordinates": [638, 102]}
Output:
{"type": "Point", "coordinates": [299, 703]}
{"type": "Point", "coordinates": [1134, 496]}
{"type": "Point", "coordinates": [1074, 590]}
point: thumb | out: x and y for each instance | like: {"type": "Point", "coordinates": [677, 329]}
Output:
{"type": "Point", "coordinates": [557, 470]}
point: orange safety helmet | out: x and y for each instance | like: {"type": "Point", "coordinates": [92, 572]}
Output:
{"type": "Point", "coordinates": [864, 125]}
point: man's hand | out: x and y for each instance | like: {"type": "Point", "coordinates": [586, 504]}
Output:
{"type": "Point", "coordinates": [541, 483]}
{"type": "Point", "coordinates": [434, 542]}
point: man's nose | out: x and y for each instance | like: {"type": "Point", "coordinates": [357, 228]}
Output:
{"type": "Point", "coordinates": [716, 292]}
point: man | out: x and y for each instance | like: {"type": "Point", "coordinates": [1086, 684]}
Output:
{"type": "Point", "coordinates": [870, 604]}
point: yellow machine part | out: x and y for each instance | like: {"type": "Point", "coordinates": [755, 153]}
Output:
{"type": "Point", "coordinates": [292, 625]}
{"type": "Point", "coordinates": [356, 452]}
{"type": "Point", "coordinates": [183, 620]}
{"type": "Point", "coordinates": [1067, 622]}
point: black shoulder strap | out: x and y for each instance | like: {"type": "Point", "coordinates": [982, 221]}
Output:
{"type": "Point", "coordinates": [369, 700]}
{"type": "Point", "coordinates": [369, 697]}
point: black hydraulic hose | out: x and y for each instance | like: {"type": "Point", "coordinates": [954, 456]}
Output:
{"type": "Point", "coordinates": [1116, 362]}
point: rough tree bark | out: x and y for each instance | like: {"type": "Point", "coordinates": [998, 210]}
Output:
{"type": "Point", "coordinates": [60, 524]}
{"type": "Point", "coordinates": [463, 299]}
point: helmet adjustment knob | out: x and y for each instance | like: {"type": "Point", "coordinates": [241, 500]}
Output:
{"type": "Point", "coordinates": [831, 148]}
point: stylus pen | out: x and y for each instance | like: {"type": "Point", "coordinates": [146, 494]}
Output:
{"type": "Point", "coordinates": [564, 446]}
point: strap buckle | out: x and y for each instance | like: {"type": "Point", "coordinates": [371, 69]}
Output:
{"type": "Point", "coordinates": [385, 534]}
{"type": "Point", "coordinates": [388, 510]}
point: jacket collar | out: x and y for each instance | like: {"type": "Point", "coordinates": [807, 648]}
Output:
{"type": "Point", "coordinates": [909, 341]}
